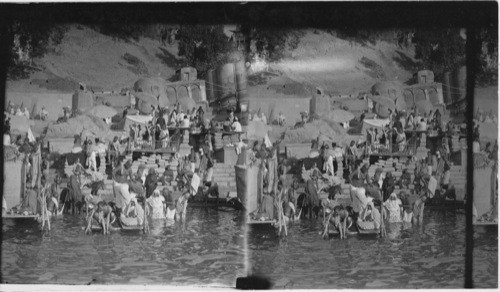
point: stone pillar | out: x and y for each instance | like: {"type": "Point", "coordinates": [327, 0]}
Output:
{"type": "Point", "coordinates": [190, 93]}
{"type": "Point", "coordinates": [203, 94]}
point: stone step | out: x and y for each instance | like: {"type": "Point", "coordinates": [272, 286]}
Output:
{"type": "Point", "coordinates": [227, 174]}
{"type": "Point", "coordinates": [226, 179]}
{"type": "Point", "coordinates": [224, 190]}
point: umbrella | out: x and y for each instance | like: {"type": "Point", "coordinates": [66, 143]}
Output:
{"type": "Point", "coordinates": [424, 106]}
{"type": "Point", "coordinates": [382, 111]}
{"type": "Point", "coordinates": [384, 100]}
{"type": "Point", "coordinates": [146, 97]}
{"type": "Point", "coordinates": [102, 111]}
{"type": "Point", "coordinates": [400, 104]}
{"type": "Point", "coordinates": [339, 116]}
{"type": "Point", "coordinates": [187, 103]}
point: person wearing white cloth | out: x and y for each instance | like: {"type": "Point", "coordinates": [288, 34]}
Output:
{"type": "Point", "coordinates": [240, 145]}
{"type": "Point", "coordinates": [26, 113]}
{"type": "Point", "coordinates": [395, 207]}
{"type": "Point", "coordinates": [92, 163]}
{"type": "Point", "coordinates": [236, 126]}
{"type": "Point", "coordinates": [6, 138]}
{"type": "Point", "coordinates": [358, 199]}
{"type": "Point", "coordinates": [263, 118]}
{"type": "Point", "coordinates": [185, 122]}
{"type": "Point", "coordinates": [157, 204]}
{"type": "Point", "coordinates": [476, 147]}
{"type": "Point", "coordinates": [328, 157]}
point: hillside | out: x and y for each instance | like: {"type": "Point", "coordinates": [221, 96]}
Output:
{"type": "Point", "coordinates": [320, 60]}
{"type": "Point", "coordinates": [100, 61]}
{"type": "Point", "coordinates": [337, 66]}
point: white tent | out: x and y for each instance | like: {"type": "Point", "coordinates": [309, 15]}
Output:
{"type": "Point", "coordinates": [374, 123]}
{"type": "Point", "coordinates": [136, 119]}
{"type": "Point", "coordinates": [19, 124]}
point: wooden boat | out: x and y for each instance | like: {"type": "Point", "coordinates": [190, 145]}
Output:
{"type": "Point", "coordinates": [19, 217]}
{"type": "Point", "coordinates": [125, 226]}
{"type": "Point", "coordinates": [98, 228]}
{"type": "Point", "coordinates": [254, 222]}
{"type": "Point", "coordinates": [356, 229]}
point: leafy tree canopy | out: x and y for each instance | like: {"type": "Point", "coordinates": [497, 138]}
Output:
{"type": "Point", "coordinates": [203, 46]}
{"type": "Point", "coordinates": [440, 50]}
{"type": "Point", "coordinates": [270, 43]}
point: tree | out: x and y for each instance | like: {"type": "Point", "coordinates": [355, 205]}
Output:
{"type": "Point", "coordinates": [204, 47]}
{"type": "Point", "coordinates": [440, 50]}
{"type": "Point", "coordinates": [271, 43]}
{"type": "Point", "coordinates": [488, 71]}
{"type": "Point", "coordinates": [30, 40]}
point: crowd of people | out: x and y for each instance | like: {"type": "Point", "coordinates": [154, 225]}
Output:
{"type": "Point", "coordinates": [404, 131]}
{"type": "Point", "coordinates": [156, 132]}
{"type": "Point", "coordinates": [483, 117]}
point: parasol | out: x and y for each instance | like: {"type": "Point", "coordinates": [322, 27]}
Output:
{"type": "Point", "coordinates": [424, 106]}
{"type": "Point", "coordinates": [384, 101]}
{"type": "Point", "coordinates": [146, 97]}
{"type": "Point", "coordinates": [187, 103]}
{"type": "Point", "coordinates": [400, 104]}
{"type": "Point", "coordinates": [382, 111]}
{"type": "Point", "coordinates": [339, 116]}
{"type": "Point", "coordinates": [102, 111]}
{"type": "Point", "coordinates": [313, 153]}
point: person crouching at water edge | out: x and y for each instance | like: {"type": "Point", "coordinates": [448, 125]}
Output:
{"type": "Point", "coordinates": [104, 216]}
{"type": "Point", "coordinates": [120, 185]}
{"type": "Point", "coordinates": [371, 214]}
{"type": "Point", "coordinates": [133, 214]}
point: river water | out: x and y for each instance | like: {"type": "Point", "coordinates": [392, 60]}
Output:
{"type": "Point", "coordinates": [429, 256]}
{"type": "Point", "coordinates": [207, 251]}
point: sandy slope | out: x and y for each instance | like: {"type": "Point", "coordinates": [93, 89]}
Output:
{"type": "Point", "coordinates": [324, 60]}
{"type": "Point", "coordinates": [486, 99]}
{"type": "Point", "coordinates": [97, 60]}
{"type": "Point", "coordinates": [321, 59]}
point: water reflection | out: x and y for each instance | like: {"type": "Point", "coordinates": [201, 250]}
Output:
{"type": "Point", "coordinates": [431, 255]}
{"type": "Point", "coordinates": [207, 249]}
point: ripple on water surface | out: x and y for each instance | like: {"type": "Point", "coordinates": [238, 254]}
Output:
{"type": "Point", "coordinates": [207, 250]}
{"type": "Point", "coordinates": [429, 256]}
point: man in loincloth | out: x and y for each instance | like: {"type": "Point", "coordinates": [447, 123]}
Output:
{"type": "Point", "coordinates": [74, 184]}
{"type": "Point", "coordinates": [181, 205]}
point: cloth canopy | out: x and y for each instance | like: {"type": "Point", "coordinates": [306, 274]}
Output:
{"type": "Point", "coordinates": [102, 111]}
{"type": "Point", "coordinates": [374, 123]}
{"type": "Point", "coordinates": [136, 119]}
{"type": "Point", "coordinates": [19, 124]}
